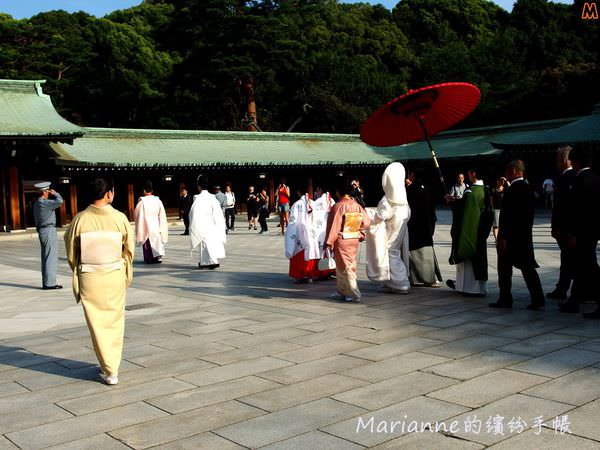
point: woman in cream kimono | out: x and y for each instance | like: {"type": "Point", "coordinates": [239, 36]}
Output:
{"type": "Point", "coordinates": [207, 227]}
{"type": "Point", "coordinates": [100, 245]}
{"type": "Point", "coordinates": [345, 229]}
{"type": "Point", "coordinates": [151, 227]}
{"type": "Point", "coordinates": [387, 237]}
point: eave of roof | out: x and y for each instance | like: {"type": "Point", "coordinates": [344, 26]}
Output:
{"type": "Point", "coordinates": [27, 113]}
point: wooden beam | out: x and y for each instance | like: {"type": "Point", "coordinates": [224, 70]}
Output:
{"type": "Point", "coordinates": [15, 198]}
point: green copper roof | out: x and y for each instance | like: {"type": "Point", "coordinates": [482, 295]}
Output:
{"type": "Point", "coordinates": [26, 112]}
{"type": "Point", "coordinates": [586, 129]}
{"type": "Point", "coordinates": [121, 147]}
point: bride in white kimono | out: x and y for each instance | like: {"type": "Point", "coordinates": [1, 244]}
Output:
{"type": "Point", "coordinates": [207, 228]}
{"type": "Point", "coordinates": [387, 237]}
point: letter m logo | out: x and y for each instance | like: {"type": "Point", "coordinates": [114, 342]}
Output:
{"type": "Point", "coordinates": [589, 11]}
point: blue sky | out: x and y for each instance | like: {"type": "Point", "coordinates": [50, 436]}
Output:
{"type": "Point", "coordinates": [27, 8]}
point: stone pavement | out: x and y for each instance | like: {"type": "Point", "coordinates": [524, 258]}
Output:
{"type": "Point", "coordinates": [241, 357]}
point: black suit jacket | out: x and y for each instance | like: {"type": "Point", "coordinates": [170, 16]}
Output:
{"type": "Point", "coordinates": [185, 204]}
{"type": "Point", "coordinates": [516, 223]}
{"type": "Point", "coordinates": [563, 199]}
{"type": "Point", "coordinates": [585, 212]}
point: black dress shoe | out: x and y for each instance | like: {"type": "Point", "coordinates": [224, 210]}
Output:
{"type": "Point", "coordinates": [214, 266]}
{"type": "Point", "coordinates": [57, 286]}
{"type": "Point", "coordinates": [451, 284]}
{"type": "Point", "coordinates": [569, 307]}
{"type": "Point", "coordinates": [593, 315]}
{"type": "Point", "coordinates": [500, 304]}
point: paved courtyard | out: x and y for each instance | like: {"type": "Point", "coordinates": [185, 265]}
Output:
{"type": "Point", "coordinates": [241, 357]}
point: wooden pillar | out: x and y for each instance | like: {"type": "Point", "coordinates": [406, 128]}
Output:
{"type": "Point", "coordinates": [4, 192]}
{"type": "Point", "coordinates": [15, 198]}
{"type": "Point", "coordinates": [130, 201]}
{"type": "Point", "coordinates": [271, 194]}
{"type": "Point", "coordinates": [73, 200]}
{"type": "Point", "coordinates": [62, 213]}
{"type": "Point", "coordinates": [310, 187]}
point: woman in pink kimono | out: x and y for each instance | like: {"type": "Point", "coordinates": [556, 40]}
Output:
{"type": "Point", "coordinates": [345, 230]}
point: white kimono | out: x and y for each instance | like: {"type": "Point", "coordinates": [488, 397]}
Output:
{"type": "Point", "coordinates": [151, 224]}
{"type": "Point", "coordinates": [321, 208]}
{"type": "Point", "coordinates": [207, 228]}
{"type": "Point", "coordinates": [387, 237]}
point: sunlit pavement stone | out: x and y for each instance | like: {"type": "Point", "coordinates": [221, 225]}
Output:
{"type": "Point", "coordinates": [241, 357]}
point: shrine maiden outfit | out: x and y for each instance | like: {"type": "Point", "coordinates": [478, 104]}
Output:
{"type": "Point", "coordinates": [100, 245]}
{"type": "Point", "coordinates": [387, 237]}
{"type": "Point", "coordinates": [301, 243]}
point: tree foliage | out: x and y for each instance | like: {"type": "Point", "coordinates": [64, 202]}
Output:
{"type": "Point", "coordinates": [317, 65]}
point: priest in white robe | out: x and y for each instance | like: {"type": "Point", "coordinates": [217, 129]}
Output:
{"type": "Point", "coordinates": [387, 237]}
{"type": "Point", "coordinates": [151, 228]}
{"type": "Point", "coordinates": [207, 227]}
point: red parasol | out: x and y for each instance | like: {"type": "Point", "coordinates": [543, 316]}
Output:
{"type": "Point", "coordinates": [419, 114]}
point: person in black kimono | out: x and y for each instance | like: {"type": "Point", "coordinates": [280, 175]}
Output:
{"type": "Point", "coordinates": [563, 191]}
{"type": "Point", "coordinates": [515, 241]}
{"type": "Point", "coordinates": [424, 269]}
{"type": "Point", "coordinates": [584, 232]}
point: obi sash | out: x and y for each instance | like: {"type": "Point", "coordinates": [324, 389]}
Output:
{"type": "Point", "coordinates": [351, 225]}
{"type": "Point", "coordinates": [101, 251]}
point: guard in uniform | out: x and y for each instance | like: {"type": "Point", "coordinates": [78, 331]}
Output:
{"type": "Point", "coordinates": [45, 223]}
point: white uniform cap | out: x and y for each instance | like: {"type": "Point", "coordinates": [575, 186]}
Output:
{"type": "Point", "coordinates": [43, 186]}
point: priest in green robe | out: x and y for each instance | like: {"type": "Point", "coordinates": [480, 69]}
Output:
{"type": "Point", "coordinates": [471, 225]}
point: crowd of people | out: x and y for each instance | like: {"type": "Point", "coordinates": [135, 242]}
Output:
{"type": "Point", "coordinates": [323, 233]}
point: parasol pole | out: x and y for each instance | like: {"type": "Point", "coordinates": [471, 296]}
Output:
{"type": "Point", "coordinates": [435, 161]}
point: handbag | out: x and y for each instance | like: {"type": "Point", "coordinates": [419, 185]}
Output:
{"type": "Point", "coordinates": [327, 262]}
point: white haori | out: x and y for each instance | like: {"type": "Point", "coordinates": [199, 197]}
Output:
{"type": "Point", "coordinates": [301, 235]}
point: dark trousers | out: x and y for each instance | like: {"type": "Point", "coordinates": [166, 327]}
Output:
{"type": "Point", "coordinates": [186, 222]}
{"type": "Point", "coordinates": [587, 272]}
{"type": "Point", "coordinates": [532, 280]}
{"type": "Point", "coordinates": [262, 219]}
{"type": "Point", "coordinates": [230, 218]}
{"type": "Point", "coordinates": [149, 257]}
{"type": "Point", "coordinates": [567, 266]}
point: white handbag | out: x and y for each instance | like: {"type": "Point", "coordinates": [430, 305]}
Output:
{"type": "Point", "coordinates": [327, 262]}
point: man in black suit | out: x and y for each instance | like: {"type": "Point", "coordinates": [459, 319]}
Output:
{"type": "Point", "coordinates": [584, 232]}
{"type": "Point", "coordinates": [515, 242]}
{"type": "Point", "coordinates": [563, 193]}
{"type": "Point", "coordinates": [185, 204]}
